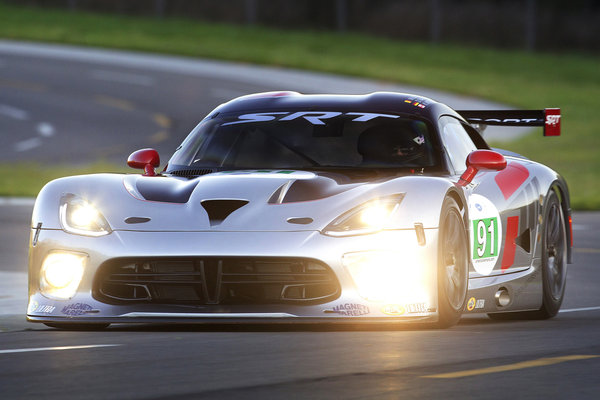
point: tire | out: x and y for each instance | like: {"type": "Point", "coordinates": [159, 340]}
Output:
{"type": "Point", "coordinates": [76, 327]}
{"type": "Point", "coordinates": [554, 263]}
{"type": "Point", "coordinates": [453, 265]}
{"type": "Point", "coordinates": [554, 258]}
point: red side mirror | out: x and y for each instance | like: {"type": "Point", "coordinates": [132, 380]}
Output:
{"type": "Point", "coordinates": [146, 159]}
{"type": "Point", "coordinates": [481, 160]}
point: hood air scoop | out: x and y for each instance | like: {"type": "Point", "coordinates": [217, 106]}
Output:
{"type": "Point", "coordinates": [218, 210]}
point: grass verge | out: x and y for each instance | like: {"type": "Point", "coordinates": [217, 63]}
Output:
{"type": "Point", "coordinates": [524, 80]}
{"type": "Point", "coordinates": [26, 179]}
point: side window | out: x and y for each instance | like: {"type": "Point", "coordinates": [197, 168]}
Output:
{"type": "Point", "coordinates": [457, 141]}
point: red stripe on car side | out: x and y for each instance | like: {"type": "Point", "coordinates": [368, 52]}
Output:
{"type": "Point", "coordinates": [511, 178]}
{"type": "Point", "coordinates": [512, 230]}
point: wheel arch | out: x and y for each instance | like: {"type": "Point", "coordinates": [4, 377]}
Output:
{"type": "Point", "coordinates": [559, 186]}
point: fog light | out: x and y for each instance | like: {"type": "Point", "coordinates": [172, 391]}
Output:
{"type": "Point", "coordinates": [388, 276]}
{"type": "Point", "coordinates": [61, 274]}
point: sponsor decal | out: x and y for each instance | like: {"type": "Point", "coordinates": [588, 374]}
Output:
{"type": "Point", "coordinates": [485, 233]}
{"type": "Point", "coordinates": [552, 120]}
{"type": "Point", "coordinates": [393, 309]}
{"type": "Point", "coordinates": [45, 308]}
{"type": "Point", "coordinates": [471, 304]}
{"type": "Point", "coordinates": [401, 309]}
{"type": "Point", "coordinates": [314, 117]}
{"type": "Point", "coordinates": [415, 308]}
{"type": "Point", "coordinates": [504, 120]}
{"type": "Point", "coordinates": [417, 102]}
{"type": "Point", "coordinates": [419, 140]}
{"type": "Point", "coordinates": [35, 307]}
{"type": "Point", "coordinates": [76, 309]}
{"type": "Point", "coordinates": [351, 309]}
{"type": "Point", "coordinates": [474, 304]}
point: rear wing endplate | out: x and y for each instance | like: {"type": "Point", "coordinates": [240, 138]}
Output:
{"type": "Point", "coordinates": [549, 118]}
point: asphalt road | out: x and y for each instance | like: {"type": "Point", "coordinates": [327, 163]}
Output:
{"type": "Point", "coordinates": [62, 104]}
{"type": "Point", "coordinates": [479, 358]}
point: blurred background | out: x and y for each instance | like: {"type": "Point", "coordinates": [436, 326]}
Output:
{"type": "Point", "coordinates": [164, 64]}
{"type": "Point", "coordinates": [530, 24]}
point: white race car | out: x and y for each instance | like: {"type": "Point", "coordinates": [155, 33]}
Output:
{"type": "Point", "coordinates": [282, 207]}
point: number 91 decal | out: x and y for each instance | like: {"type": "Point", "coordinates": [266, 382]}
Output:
{"type": "Point", "coordinates": [485, 234]}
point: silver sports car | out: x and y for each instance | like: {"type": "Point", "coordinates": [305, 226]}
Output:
{"type": "Point", "coordinates": [287, 208]}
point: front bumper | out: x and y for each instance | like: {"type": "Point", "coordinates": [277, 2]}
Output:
{"type": "Point", "coordinates": [349, 307]}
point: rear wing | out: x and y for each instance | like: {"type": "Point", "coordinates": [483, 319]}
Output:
{"type": "Point", "coordinates": [549, 118]}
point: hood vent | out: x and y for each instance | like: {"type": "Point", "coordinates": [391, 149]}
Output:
{"type": "Point", "coordinates": [192, 172]}
{"type": "Point", "coordinates": [165, 190]}
{"type": "Point", "coordinates": [218, 210]}
{"type": "Point", "coordinates": [307, 190]}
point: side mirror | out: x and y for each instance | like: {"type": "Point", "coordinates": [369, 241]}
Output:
{"type": "Point", "coordinates": [146, 159]}
{"type": "Point", "coordinates": [481, 160]}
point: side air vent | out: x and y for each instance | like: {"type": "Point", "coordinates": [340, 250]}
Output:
{"type": "Point", "coordinates": [218, 210]}
{"type": "Point", "coordinates": [524, 241]}
{"type": "Point", "coordinates": [136, 220]}
{"type": "Point", "coordinates": [316, 188]}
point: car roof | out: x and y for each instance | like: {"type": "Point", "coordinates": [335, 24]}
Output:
{"type": "Point", "coordinates": [377, 102]}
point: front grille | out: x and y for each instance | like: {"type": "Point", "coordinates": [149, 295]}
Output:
{"type": "Point", "coordinates": [215, 280]}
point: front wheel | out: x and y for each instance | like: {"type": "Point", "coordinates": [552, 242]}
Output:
{"type": "Point", "coordinates": [453, 265]}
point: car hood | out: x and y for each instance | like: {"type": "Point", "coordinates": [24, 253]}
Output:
{"type": "Point", "coordinates": [267, 200]}
{"type": "Point", "coordinates": [239, 201]}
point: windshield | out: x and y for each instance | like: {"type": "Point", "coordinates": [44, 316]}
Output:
{"type": "Point", "coordinates": [307, 139]}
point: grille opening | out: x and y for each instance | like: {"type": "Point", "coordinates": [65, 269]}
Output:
{"type": "Point", "coordinates": [212, 280]}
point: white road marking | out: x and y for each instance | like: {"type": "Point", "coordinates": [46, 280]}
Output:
{"type": "Point", "coordinates": [257, 76]}
{"type": "Point", "coordinates": [13, 112]}
{"type": "Point", "coordinates": [17, 201]}
{"type": "Point", "coordinates": [89, 346]}
{"type": "Point", "coordinates": [122, 77]}
{"type": "Point", "coordinates": [577, 227]}
{"type": "Point", "coordinates": [580, 309]}
{"type": "Point", "coordinates": [28, 144]}
{"type": "Point", "coordinates": [45, 129]}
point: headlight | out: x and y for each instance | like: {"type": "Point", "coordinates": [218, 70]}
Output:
{"type": "Point", "coordinates": [369, 217]}
{"type": "Point", "coordinates": [61, 274]}
{"type": "Point", "coordinates": [396, 277]}
{"type": "Point", "coordinates": [80, 217]}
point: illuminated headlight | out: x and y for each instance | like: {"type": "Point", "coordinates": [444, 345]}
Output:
{"type": "Point", "coordinates": [80, 217]}
{"type": "Point", "coordinates": [61, 274]}
{"type": "Point", "coordinates": [369, 217]}
{"type": "Point", "coordinates": [388, 276]}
